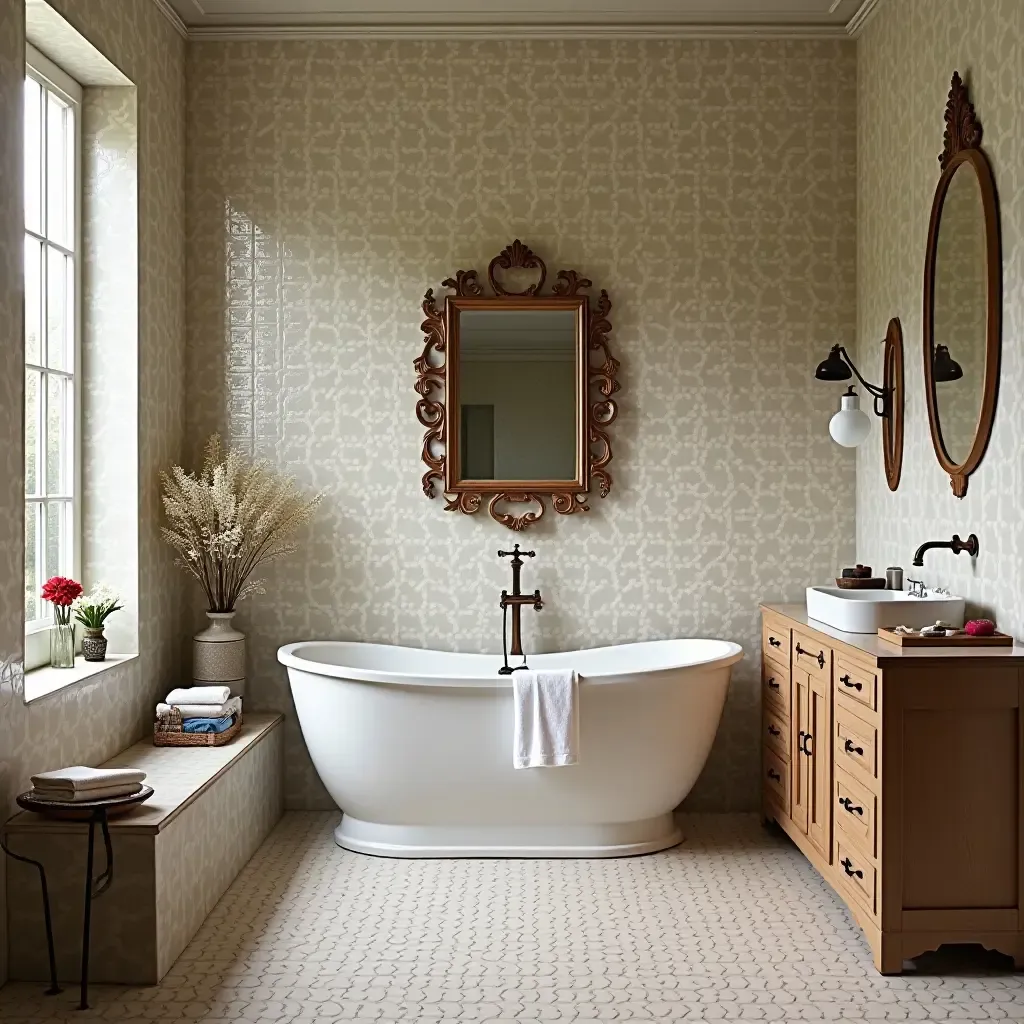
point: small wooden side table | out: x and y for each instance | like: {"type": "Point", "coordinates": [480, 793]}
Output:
{"type": "Point", "coordinates": [96, 813]}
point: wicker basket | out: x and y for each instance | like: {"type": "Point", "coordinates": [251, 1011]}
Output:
{"type": "Point", "coordinates": [168, 732]}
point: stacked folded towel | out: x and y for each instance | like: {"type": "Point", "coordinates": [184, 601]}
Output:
{"type": "Point", "coordinates": [78, 784]}
{"type": "Point", "coordinates": [202, 708]}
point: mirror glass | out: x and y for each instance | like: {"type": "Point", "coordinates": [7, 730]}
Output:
{"type": "Point", "coordinates": [961, 305]}
{"type": "Point", "coordinates": [517, 394]}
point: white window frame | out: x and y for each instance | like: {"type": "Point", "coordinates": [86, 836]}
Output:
{"type": "Point", "coordinates": [54, 79]}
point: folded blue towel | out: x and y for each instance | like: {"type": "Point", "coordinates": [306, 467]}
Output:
{"type": "Point", "coordinates": [208, 724]}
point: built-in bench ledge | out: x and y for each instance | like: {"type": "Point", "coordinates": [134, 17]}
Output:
{"type": "Point", "coordinates": [174, 857]}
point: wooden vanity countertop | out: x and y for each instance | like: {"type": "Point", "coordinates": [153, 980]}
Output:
{"type": "Point", "coordinates": [883, 652]}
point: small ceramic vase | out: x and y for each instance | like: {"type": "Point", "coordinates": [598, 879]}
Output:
{"type": "Point", "coordinates": [94, 644]}
{"type": "Point", "coordinates": [218, 653]}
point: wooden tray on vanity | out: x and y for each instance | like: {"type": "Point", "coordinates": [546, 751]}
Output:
{"type": "Point", "coordinates": [997, 639]}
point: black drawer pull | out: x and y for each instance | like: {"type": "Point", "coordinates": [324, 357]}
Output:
{"type": "Point", "coordinates": [803, 746]}
{"type": "Point", "coordinates": [773, 731]}
{"type": "Point", "coordinates": [772, 685]}
{"type": "Point", "coordinates": [773, 774]}
{"type": "Point", "coordinates": [774, 642]}
{"type": "Point", "coordinates": [849, 868]}
{"type": "Point", "coordinates": [847, 681]}
{"type": "Point", "coordinates": [850, 807]}
{"type": "Point", "coordinates": [849, 747]}
{"type": "Point", "coordinates": [819, 657]}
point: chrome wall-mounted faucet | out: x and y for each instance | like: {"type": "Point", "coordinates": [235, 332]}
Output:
{"type": "Point", "coordinates": [515, 601]}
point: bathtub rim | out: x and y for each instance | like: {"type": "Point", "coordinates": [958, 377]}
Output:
{"type": "Point", "coordinates": [287, 656]}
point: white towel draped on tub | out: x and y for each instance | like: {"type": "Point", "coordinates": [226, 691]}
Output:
{"type": "Point", "coordinates": [547, 729]}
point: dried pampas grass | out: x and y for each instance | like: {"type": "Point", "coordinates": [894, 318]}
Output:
{"type": "Point", "coordinates": [229, 518]}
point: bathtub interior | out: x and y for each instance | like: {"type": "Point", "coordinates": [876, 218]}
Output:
{"type": "Point", "coordinates": [380, 661]}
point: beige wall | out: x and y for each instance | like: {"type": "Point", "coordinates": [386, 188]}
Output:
{"type": "Point", "coordinates": [906, 56]}
{"type": "Point", "coordinates": [709, 186]}
{"type": "Point", "coordinates": [90, 722]}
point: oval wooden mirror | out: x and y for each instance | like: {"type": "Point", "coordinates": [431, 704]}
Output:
{"type": "Point", "coordinates": [962, 297]}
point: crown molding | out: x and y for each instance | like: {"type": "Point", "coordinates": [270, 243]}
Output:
{"type": "Point", "coordinates": [652, 30]}
{"type": "Point", "coordinates": [864, 14]}
{"type": "Point", "coordinates": [165, 8]}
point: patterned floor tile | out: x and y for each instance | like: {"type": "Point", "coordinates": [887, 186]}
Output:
{"type": "Point", "coordinates": [734, 925]}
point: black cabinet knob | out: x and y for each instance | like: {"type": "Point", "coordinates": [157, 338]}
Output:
{"type": "Point", "coordinates": [773, 774]}
{"type": "Point", "coordinates": [774, 731]}
{"type": "Point", "coordinates": [850, 748]}
{"type": "Point", "coordinates": [850, 807]}
{"type": "Point", "coordinates": [774, 642]}
{"type": "Point", "coordinates": [772, 685]}
{"type": "Point", "coordinates": [849, 868]}
{"type": "Point", "coordinates": [803, 746]}
{"type": "Point", "coordinates": [847, 681]}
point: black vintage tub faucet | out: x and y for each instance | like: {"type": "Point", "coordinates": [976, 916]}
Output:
{"type": "Point", "coordinates": [515, 601]}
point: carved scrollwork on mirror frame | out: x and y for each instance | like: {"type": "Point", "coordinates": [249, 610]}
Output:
{"type": "Point", "coordinates": [476, 431]}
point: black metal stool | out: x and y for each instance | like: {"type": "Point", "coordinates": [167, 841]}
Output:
{"type": "Point", "coordinates": [95, 812]}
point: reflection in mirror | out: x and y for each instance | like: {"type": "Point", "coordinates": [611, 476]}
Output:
{"type": "Point", "coordinates": [517, 394]}
{"type": "Point", "coordinates": [961, 312]}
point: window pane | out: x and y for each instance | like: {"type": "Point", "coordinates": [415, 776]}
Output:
{"type": "Point", "coordinates": [59, 162]}
{"type": "Point", "coordinates": [32, 581]}
{"type": "Point", "coordinates": [32, 413]}
{"type": "Point", "coordinates": [58, 557]}
{"type": "Point", "coordinates": [60, 310]}
{"type": "Point", "coordinates": [59, 391]}
{"type": "Point", "coordinates": [33, 157]}
{"type": "Point", "coordinates": [33, 300]}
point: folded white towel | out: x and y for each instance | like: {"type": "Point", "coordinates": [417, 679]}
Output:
{"type": "Point", "coordinates": [546, 719]}
{"type": "Point", "coordinates": [199, 695]}
{"type": "Point", "coordinates": [233, 706]}
{"type": "Point", "coordinates": [79, 778]}
{"type": "Point", "coordinates": [102, 793]}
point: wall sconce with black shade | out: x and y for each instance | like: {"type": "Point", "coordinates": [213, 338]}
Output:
{"type": "Point", "coordinates": [850, 426]}
{"type": "Point", "coordinates": [944, 367]}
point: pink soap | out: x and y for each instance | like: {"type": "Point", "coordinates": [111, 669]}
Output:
{"type": "Point", "coordinates": [980, 627]}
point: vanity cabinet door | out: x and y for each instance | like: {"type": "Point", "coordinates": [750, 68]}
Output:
{"type": "Point", "coordinates": [799, 771]}
{"type": "Point", "coordinates": [819, 765]}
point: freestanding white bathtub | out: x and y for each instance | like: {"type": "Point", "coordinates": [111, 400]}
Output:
{"type": "Point", "coordinates": [416, 747]}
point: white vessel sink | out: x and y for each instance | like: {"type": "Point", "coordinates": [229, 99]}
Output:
{"type": "Point", "coordinates": [864, 611]}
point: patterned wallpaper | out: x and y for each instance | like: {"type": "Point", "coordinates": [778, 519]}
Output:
{"type": "Point", "coordinates": [709, 186]}
{"type": "Point", "coordinates": [92, 721]}
{"type": "Point", "coordinates": [906, 57]}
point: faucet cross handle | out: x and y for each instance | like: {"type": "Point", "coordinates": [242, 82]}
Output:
{"type": "Point", "coordinates": [516, 554]}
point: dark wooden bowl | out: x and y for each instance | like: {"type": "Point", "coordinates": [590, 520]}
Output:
{"type": "Point", "coordinates": [853, 583]}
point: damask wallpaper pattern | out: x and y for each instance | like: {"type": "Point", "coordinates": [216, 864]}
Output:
{"type": "Point", "coordinates": [906, 56]}
{"type": "Point", "coordinates": [90, 722]}
{"type": "Point", "coordinates": [709, 186]}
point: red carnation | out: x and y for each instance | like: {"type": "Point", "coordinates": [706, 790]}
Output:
{"type": "Point", "coordinates": [60, 590]}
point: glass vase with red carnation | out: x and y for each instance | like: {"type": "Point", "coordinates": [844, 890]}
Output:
{"type": "Point", "coordinates": [61, 592]}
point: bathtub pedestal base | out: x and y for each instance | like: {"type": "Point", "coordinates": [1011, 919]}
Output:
{"type": "Point", "coordinates": [621, 840]}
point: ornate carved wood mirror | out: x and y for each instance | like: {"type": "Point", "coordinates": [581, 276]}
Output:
{"type": "Point", "coordinates": [516, 391]}
{"type": "Point", "coordinates": [962, 297]}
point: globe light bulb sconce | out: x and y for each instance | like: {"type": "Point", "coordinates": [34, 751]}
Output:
{"type": "Point", "coordinates": [850, 426]}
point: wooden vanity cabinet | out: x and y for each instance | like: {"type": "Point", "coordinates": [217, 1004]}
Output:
{"type": "Point", "coordinates": [899, 773]}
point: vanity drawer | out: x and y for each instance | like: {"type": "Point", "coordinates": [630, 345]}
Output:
{"type": "Point", "coordinates": [856, 813]}
{"type": "Point", "coordinates": [856, 682]}
{"type": "Point", "coordinates": [775, 734]}
{"type": "Point", "coordinates": [814, 657]}
{"type": "Point", "coordinates": [775, 687]}
{"type": "Point", "coordinates": [855, 744]}
{"type": "Point", "coordinates": [857, 875]}
{"type": "Point", "coordinates": [775, 641]}
{"type": "Point", "coordinates": [775, 779]}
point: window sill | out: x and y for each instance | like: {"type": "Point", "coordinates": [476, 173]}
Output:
{"type": "Point", "coordinates": [47, 681]}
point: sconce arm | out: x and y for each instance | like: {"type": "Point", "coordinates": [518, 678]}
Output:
{"type": "Point", "coordinates": [881, 396]}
